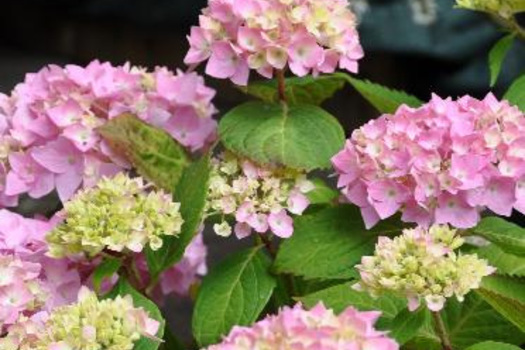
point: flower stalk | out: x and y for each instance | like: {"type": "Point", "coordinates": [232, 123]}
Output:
{"type": "Point", "coordinates": [441, 330]}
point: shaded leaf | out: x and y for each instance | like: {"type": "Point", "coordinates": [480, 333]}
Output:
{"type": "Point", "coordinates": [508, 236]}
{"type": "Point", "coordinates": [107, 269]}
{"type": "Point", "coordinates": [406, 324]}
{"type": "Point", "coordinates": [497, 56]}
{"type": "Point", "coordinates": [307, 90]}
{"type": "Point", "coordinates": [191, 192]}
{"type": "Point", "coordinates": [507, 296]}
{"type": "Point", "coordinates": [153, 153]}
{"type": "Point", "coordinates": [322, 193]}
{"type": "Point", "coordinates": [506, 263]}
{"type": "Point", "coordinates": [328, 243]}
{"type": "Point", "coordinates": [298, 136]}
{"type": "Point", "coordinates": [234, 293]}
{"type": "Point", "coordinates": [492, 345]}
{"type": "Point", "coordinates": [516, 93]}
{"type": "Point", "coordinates": [384, 99]}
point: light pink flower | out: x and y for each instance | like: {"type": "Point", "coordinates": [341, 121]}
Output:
{"type": "Point", "coordinates": [444, 162]}
{"type": "Point", "coordinates": [313, 36]}
{"type": "Point", "coordinates": [318, 328]}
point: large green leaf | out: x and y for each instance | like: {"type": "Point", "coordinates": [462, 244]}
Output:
{"type": "Point", "coordinates": [234, 293]}
{"type": "Point", "coordinates": [507, 296]}
{"type": "Point", "coordinates": [506, 263]}
{"type": "Point", "coordinates": [468, 323]}
{"type": "Point", "coordinates": [123, 288]}
{"type": "Point", "coordinates": [342, 296]}
{"type": "Point", "coordinates": [298, 136]}
{"type": "Point", "coordinates": [191, 192]}
{"type": "Point", "coordinates": [384, 99]}
{"type": "Point", "coordinates": [307, 90]}
{"type": "Point", "coordinates": [153, 152]}
{"type": "Point", "coordinates": [406, 324]}
{"type": "Point", "coordinates": [106, 269]}
{"type": "Point", "coordinates": [516, 93]}
{"type": "Point", "coordinates": [497, 56]}
{"type": "Point", "coordinates": [322, 193]}
{"type": "Point", "coordinates": [508, 236]}
{"type": "Point", "coordinates": [492, 345]}
{"type": "Point", "coordinates": [327, 244]}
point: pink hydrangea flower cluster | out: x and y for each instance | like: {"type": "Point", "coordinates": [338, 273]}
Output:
{"type": "Point", "coordinates": [319, 328]}
{"type": "Point", "coordinates": [441, 163]}
{"type": "Point", "coordinates": [266, 35]}
{"type": "Point", "coordinates": [29, 281]}
{"type": "Point", "coordinates": [48, 135]}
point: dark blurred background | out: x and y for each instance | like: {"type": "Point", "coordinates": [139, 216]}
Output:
{"type": "Point", "coordinates": [436, 49]}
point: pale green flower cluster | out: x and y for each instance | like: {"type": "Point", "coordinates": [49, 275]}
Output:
{"type": "Point", "coordinates": [118, 214]}
{"type": "Point", "coordinates": [90, 324]}
{"type": "Point", "coordinates": [422, 264]}
{"type": "Point", "coordinates": [503, 8]}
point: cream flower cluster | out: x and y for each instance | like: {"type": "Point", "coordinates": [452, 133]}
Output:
{"type": "Point", "coordinates": [90, 324]}
{"type": "Point", "coordinates": [261, 199]}
{"type": "Point", "coordinates": [235, 36]}
{"type": "Point", "coordinates": [422, 264]}
{"type": "Point", "coordinates": [117, 214]}
{"type": "Point", "coordinates": [319, 328]}
{"type": "Point", "coordinates": [504, 8]}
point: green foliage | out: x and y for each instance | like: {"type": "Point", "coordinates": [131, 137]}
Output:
{"type": "Point", "coordinates": [497, 56]}
{"type": "Point", "coordinates": [108, 268]}
{"type": "Point", "coordinates": [307, 90]}
{"type": "Point", "coordinates": [151, 151]}
{"type": "Point", "coordinates": [328, 243]}
{"type": "Point", "coordinates": [191, 192]}
{"type": "Point", "coordinates": [507, 296]}
{"type": "Point", "coordinates": [492, 345]}
{"type": "Point", "coordinates": [507, 264]}
{"type": "Point", "coordinates": [234, 293]}
{"type": "Point", "coordinates": [384, 99]}
{"type": "Point", "coordinates": [516, 93]}
{"type": "Point", "coordinates": [322, 194]}
{"type": "Point", "coordinates": [468, 323]}
{"type": "Point", "coordinates": [508, 236]}
{"type": "Point", "coordinates": [406, 324]}
{"type": "Point", "coordinates": [298, 136]}
{"type": "Point", "coordinates": [342, 296]}
{"type": "Point", "coordinates": [123, 288]}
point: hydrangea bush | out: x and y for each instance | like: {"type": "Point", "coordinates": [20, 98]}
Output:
{"type": "Point", "coordinates": [408, 249]}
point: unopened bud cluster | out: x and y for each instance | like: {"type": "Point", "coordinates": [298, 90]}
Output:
{"type": "Point", "coordinates": [119, 215]}
{"type": "Point", "coordinates": [422, 264]}
{"type": "Point", "coordinates": [90, 324]}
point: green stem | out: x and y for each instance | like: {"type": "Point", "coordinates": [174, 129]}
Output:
{"type": "Point", "coordinates": [510, 25]}
{"type": "Point", "coordinates": [441, 331]}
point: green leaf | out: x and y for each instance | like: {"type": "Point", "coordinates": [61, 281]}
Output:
{"type": "Point", "coordinates": [123, 288]}
{"type": "Point", "coordinates": [153, 152]}
{"type": "Point", "coordinates": [171, 342]}
{"type": "Point", "coordinates": [406, 324]}
{"type": "Point", "coordinates": [508, 236]}
{"type": "Point", "coordinates": [307, 90]}
{"type": "Point", "coordinates": [497, 56]}
{"type": "Point", "coordinates": [234, 293]}
{"type": "Point", "coordinates": [384, 99]}
{"type": "Point", "coordinates": [342, 296]}
{"type": "Point", "coordinates": [298, 136]}
{"type": "Point", "coordinates": [492, 345]}
{"type": "Point", "coordinates": [107, 269]}
{"type": "Point", "coordinates": [516, 93]}
{"type": "Point", "coordinates": [328, 243]}
{"type": "Point", "coordinates": [507, 264]}
{"type": "Point", "coordinates": [468, 323]}
{"type": "Point", "coordinates": [507, 296]}
{"type": "Point", "coordinates": [322, 193]}
{"type": "Point", "coordinates": [191, 192]}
